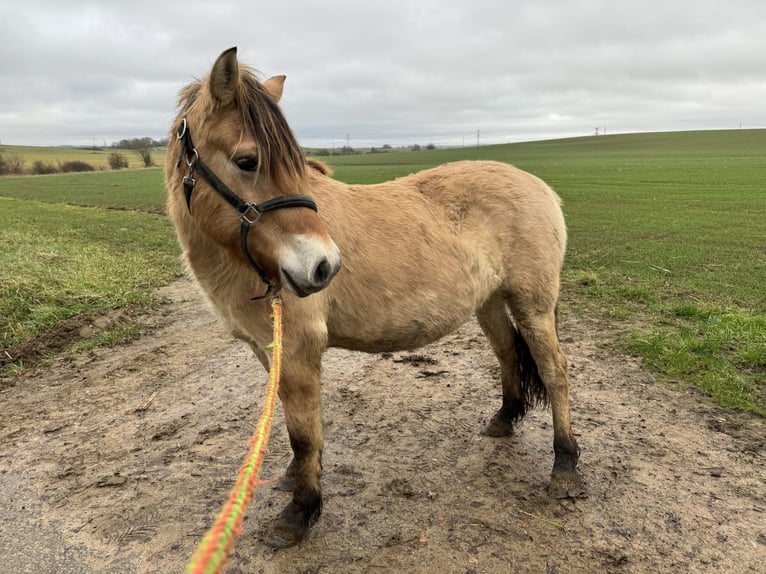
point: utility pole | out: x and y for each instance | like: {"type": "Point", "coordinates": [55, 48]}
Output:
{"type": "Point", "coordinates": [478, 135]}
{"type": "Point", "coordinates": [347, 141]}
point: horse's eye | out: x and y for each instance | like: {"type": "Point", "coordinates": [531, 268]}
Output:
{"type": "Point", "coordinates": [247, 163]}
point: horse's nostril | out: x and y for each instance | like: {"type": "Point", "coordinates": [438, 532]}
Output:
{"type": "Point", "coordinates": [322, 272]}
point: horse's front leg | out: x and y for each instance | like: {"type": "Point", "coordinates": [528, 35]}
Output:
{"type": "Point", "coordinates": [299, 392]}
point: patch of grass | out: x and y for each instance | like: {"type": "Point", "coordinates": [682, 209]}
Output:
{"type": "Point", "coordinates": [137, 189]}
{"type": "Point", "coordinates": [722, 350]}
{"type": "Point", "coordinates": [11, 370]}
{"type": "Point", "coordinates": [57, 261]}
{"type": "Point", "coordinates": [585, 278]}
{"type": "Point", "coordinates": [108, 338]}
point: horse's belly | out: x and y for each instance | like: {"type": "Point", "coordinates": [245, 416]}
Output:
{"type": "Point", "coordinates": [394, 337]}
{"type": "Point", "coordinates": [379, 322]}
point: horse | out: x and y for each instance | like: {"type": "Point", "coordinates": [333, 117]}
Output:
{"type": "Point", "coordinates": [373, 268]}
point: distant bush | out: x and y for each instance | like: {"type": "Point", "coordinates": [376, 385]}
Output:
{"type": "Point", "coordinates": [146, 155]}
{"type": "Point", "coordinates": [72, 166]}
{"type": "Point", "coordinates": [13, 165]}
{"type": "Point", "coordinates": [16, 164]}
{"type": "Point", "coordinates": [41, 167]}
{"type": "Point", "coordinates": [117, 160]}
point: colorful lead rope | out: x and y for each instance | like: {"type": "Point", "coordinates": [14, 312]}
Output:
{"type": "Point", "coordinates": [213, 550]}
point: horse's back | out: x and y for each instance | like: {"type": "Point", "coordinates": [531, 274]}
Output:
{"type": "Point", "coordinates": [488, 185]}
{"type": "Point", "coordinates": [513, 206]}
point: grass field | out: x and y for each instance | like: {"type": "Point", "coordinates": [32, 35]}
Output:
{"type": "Point", "coordinates": [57, 261]}
{"type": "Point", "coordinates": [138, 189]}
{"type": "Point", "coordinates": [667, 239]}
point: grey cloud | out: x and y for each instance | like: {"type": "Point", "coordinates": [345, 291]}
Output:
{"type": "Point", "coordinates": [388, 72]}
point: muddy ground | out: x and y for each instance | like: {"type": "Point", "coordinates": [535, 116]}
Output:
{"type": "Point", "coordinates": [117, 460]}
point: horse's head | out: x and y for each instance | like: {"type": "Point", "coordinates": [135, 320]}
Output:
{"type": "Point", "coordinates": [234, 172]}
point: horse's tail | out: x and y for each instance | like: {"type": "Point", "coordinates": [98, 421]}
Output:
{"type": "Point", "coordinates": [532, 388]}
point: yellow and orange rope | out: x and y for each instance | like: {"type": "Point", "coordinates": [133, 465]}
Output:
{"type": "Point", "coordinates": [213, 550]}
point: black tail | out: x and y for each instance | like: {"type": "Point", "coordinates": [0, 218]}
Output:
{"type": "Point", "coordinates": [532, 387]}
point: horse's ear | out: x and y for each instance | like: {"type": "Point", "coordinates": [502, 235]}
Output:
{"type": "Point", "coordinates": [224, 78]}
{"type": "Point", "coordinates": [274, 85]}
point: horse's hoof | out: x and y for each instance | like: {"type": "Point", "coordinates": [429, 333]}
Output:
{"type": "Point", "coordinates": [286, 531]}
{"type": "Point", "coordinates": [279, 538]}
{"type": "Point", "coordinates": [293, 523]}
{"type": "Point", "coordinates": [567, 483]}
{"type": "Point", "coordinates": [498, 426]}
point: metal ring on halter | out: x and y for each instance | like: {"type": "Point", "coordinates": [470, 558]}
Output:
{"type": "Point", "coordinates": [189, 162]}
{"type": "Point", "coordinates": [182, 129]}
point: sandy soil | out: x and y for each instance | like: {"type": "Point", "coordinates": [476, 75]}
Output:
{"type": "Point", "coordinates": [118, 460]}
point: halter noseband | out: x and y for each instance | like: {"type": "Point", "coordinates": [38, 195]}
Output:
{"type": "Point", "coordinates": [249, 213]}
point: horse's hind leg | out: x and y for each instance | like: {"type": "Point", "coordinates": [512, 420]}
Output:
{"type": "Point", "coordinates": [539, 331]}
{"type": "Point", "coordinates": [496, 324]}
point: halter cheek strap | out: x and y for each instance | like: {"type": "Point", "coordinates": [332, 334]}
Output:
{"type": "Point", "coordinates": [249, 213]}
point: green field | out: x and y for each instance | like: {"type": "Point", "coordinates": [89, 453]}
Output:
{"type": "Point", "coordinates": [58, 261]}
{"type": "Point", "coordinates": [667, 240]}
{"type": "Point", "coordinates": [139, 189]}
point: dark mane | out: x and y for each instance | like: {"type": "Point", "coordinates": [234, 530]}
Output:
{"type": "Point", "coordinates": [279, 154]}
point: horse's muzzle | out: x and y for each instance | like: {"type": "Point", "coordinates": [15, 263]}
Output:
{"type": "Point", "coordinates": [309, 267]}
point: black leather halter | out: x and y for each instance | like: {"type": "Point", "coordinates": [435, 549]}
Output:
{"type": "Point", "coordinates": [249, 213]}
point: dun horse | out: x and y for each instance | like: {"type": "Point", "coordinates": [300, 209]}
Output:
{"type": "Point", "coordinates": [420, 255]}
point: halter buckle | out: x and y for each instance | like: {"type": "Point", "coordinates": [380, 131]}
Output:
{"type": "Point", "coordinates": [250, 208]}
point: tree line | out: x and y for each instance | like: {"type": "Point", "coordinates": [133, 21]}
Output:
{"type": "Point", "coordinates": [139, 143]}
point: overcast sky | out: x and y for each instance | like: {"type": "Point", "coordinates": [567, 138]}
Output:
{"type": "Point", "coordinates": [398, 72]}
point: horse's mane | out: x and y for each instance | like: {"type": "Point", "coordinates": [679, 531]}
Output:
{"type": "Point", "coordinates": [279, 154]}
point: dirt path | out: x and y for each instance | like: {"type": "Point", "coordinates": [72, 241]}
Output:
{"type": "Point", "coordinates": [118, 460]}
